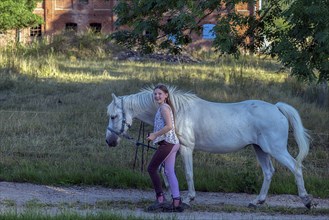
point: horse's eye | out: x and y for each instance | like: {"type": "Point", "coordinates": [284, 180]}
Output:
{"type": "Point", "coordinates": [113, 117]}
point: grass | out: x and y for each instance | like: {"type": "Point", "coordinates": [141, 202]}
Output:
{"type": "Point", "coordinates": [53, 118]}
{"type": "Point", "coordinates": [67, 216]}
{"type": "Point", "coordinates": [111, 207]}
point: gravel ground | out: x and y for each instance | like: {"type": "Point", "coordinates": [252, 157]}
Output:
{"type": "Point", "coordinates": [21, 197]}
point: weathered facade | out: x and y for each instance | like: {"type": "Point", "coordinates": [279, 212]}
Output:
{"type": "Point", "coordinates": [61, 15]}
{"type": "Point", "coordinates": [81, 15]}
{"type": "Point", "coordinates": [77, 14]}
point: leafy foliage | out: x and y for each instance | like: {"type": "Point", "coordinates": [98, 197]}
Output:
{"type": "Point", "coordinates": [154, 24]}
{"type": "Point", "coordinates": [303, 45]}
{"type": "Point", "coordinates": [294, 31]}
{"type": "Point", "coordinates": [16, 14]}
{"type": "Point", "coordinates": [168, 23]}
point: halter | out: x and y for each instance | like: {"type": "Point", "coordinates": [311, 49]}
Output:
{"type": "Point", "coordinates": [131, 139]}
{"type": "Point", "coordinates": [123, 124]}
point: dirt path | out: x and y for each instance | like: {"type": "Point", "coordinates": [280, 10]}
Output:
{"type": "Point", "coordinates": [21, 197]}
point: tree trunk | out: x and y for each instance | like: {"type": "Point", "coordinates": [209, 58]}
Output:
{"type": "Point", "coordinates": [18, 35]}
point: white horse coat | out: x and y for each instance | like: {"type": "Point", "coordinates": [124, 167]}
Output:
{"type": "Point", "coordinates": [221, 128]}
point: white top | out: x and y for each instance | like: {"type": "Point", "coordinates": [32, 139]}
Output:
{"type": "Point", "coordinates": [159, 123]}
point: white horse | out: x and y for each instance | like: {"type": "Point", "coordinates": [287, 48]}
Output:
{"type": "Point", "coordinates": [220, 128]}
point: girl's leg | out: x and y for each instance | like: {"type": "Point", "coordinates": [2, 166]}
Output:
{"type": "Point", "coordinates": [170, 171]}
{"type": "Point", "coordinates": [159, 156]}
{"type": "Point", "coordinates": [173, 182]}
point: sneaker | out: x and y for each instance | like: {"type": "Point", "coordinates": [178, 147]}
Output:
{"type": "Point", "coordinates": [172, 208]}
{"type": "Point", "coordinates": [157, 206]}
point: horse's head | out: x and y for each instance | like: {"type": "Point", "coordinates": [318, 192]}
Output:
{"type": "Point", "coordinates": [120, 120]}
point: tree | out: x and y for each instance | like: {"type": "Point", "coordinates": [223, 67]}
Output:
{"type": "Point", "coordinates": [296, 30]}
{"type": "Point", "coordinates": [17, 14]}
{"type": "Point", "coordinates": [303, 44]}
{"type": "Point", "coordinates": [154, 23]}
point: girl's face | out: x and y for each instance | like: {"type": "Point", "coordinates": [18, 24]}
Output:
{"type": "Point", "coordinates": [160, 96]}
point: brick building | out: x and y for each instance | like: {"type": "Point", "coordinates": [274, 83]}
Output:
{"type": "Point", "coordinates": [80, 15]}
{"type": "Point", "coordinates": [60, 15]}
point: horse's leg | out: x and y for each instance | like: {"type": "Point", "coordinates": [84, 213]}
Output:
{"type": "Point", "coordinates": [268, 171]}
{"type": "Point", "coordinates": [287, 160]}
{"type": "Point", "coordinates": [187, 155]}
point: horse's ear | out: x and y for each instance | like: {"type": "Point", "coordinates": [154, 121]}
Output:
{"type": "Point", "coordinates": [114, 98]}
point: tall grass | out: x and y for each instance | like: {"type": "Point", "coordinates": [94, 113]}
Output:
{"type": "Point", "coordinates": [53, 116]}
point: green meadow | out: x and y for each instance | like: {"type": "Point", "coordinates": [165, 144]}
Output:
{"type": "Point", "coordinates": [53, 100]}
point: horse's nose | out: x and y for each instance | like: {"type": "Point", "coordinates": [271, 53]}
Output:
{"type": "Point", "coordinates": [111, 142]}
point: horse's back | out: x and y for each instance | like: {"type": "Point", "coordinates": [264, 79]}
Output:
{"type": "Point", "coordinates": [227, 127]}
{"type": "Point", "coordinates": [254, 110]}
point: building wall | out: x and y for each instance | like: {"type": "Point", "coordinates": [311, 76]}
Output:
{"type": "Point", "coordinates": [58, 13]}
{"type": "Point", "coordinates": [243, 8]}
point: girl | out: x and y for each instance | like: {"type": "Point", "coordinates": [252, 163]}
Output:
{"type": "Point", "coordinates": [164, 135]}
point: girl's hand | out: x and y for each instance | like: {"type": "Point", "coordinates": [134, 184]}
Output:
{"type": "Point", "coordinates": [151, 137]}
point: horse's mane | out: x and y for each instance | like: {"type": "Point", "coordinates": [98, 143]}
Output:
{"type": "Point", "coordinates": [180, 99]}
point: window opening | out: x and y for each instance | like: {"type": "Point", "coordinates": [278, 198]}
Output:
{"type": "Point", "coordinates": [208, 32]}
{"type": "Point", "coordinates": [85, 2]}
{"type": "Point", "coordinates": [36, 31]}
{"type": "Point", "coordinates": [71, 27]}
{"type": "Point", "coordinates": [96, 27]}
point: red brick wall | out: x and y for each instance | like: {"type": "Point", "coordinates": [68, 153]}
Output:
{"type": "Point", "coordinates": [56, 13]}
{"type": "Point", "coordinates": [60, 12]}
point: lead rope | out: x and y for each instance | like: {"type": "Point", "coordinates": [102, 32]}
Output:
{"type": "Point", "coordinates": [143, 137]}
{"type": "Point", "coordinates": [141, 134]}
{"type": "Point", "coordinates": [142, 144]}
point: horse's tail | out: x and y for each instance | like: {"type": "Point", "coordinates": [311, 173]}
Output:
{"type": "Point", "coordinates": [300, 133]}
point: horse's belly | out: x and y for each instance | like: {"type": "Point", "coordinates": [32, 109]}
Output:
{"type": "Point", "coordinates": [225, 140]}
{"type": "Point", "coordinates": [221, 148]}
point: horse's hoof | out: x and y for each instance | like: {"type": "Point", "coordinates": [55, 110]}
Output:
{"type": "Point", "coordinates": [256, 204]}
{"type": "Point", "coordinates": [186, 206]}
{"type": "Point", "coordinates": [308, 201]}
{"type": "Point", "coordinates": [186, 201]}
{"type": "Point", "coordinates": [252, 205]}
{"type": "Point", "coordinates": [311, 204]}
{"type": "Point", "coordinates": [260, 202]}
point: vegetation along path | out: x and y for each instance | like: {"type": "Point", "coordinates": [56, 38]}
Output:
{"type": "Point", "coordinates": [53, 200]}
